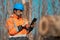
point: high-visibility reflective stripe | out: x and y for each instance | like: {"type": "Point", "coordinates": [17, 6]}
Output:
{"type": "Point", "coordinates": [21, 35]}
{"type": "Point", "coordinates": [15, 25]}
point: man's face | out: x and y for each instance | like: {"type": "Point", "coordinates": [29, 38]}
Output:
{"type": "Point", "coordinates": [18, 12]}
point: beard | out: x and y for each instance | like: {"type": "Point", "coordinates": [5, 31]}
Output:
{"type": "Point", "coordinates": [19, 16]}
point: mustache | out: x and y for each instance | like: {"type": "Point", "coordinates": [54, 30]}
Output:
{"type": "Point", "coordinates": [19, 15]}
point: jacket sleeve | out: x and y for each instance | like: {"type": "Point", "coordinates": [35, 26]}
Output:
{"type": "Point", "coordinates": [10, 27]}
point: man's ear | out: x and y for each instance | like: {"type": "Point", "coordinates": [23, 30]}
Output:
{"type": "Point", "coordinates": [14, 11]}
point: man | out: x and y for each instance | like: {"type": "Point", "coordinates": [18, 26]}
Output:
{"type": "Point", "coordinates": [17, 26]}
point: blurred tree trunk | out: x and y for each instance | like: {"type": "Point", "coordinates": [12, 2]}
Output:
{"type": "Point", "coordinates": [44, 7]}
{"type": "Point", "coordinates": [3, 14]}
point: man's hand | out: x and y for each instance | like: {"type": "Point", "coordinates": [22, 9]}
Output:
{"type": "Point", "coordinates": [20, 27]}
